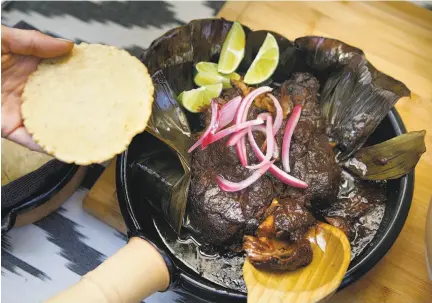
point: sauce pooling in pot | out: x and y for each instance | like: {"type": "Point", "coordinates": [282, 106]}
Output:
{"type": "Point", "coordinates": [227, 269]}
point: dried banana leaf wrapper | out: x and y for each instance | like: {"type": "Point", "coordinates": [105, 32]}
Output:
{"type": "Point", "coordinates": [199, 40]}
{"type": "Point", "coordinates": [164, 166]}
{"type": "Point", "coordinates": [355, 96]}
{"type": "Point", "coordinates": [390, 159]}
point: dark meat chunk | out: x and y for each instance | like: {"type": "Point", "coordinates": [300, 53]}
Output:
{"type": "Point", "coordinates": [219, 216]}
{"type": "Point", "coordinates": [315, 164]}
{"type": "Point", "coordinates": [223, 218]}
{"type": "Point", "coordinates": [343, 224]}
{"type": "Point", "coordinates": [301, 89]}
{"type": "Point", "coordinates": [288, 220]}
{"type": "Point", "coordinates": [268, 254]}
{"type": "Point", "coordinates": [254, 202]}
{"type": "Point", "coordinates": [311, 156]}
{"type": "Point", "coordinates": [215, 152]}
{"type": "Point", "coordinates": [215, 213]}
{"type": "Point", "coordinates": [302, 135]}
{"type": "Point", "coordinates": [292, 220]}
{"type": "Point", "coordinates": [319, 170]}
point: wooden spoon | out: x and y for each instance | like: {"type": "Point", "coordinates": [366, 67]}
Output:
{"type": "Point", "coordinates": [316, 282]}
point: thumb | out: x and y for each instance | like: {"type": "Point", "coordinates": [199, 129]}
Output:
{"type": "Point", "coordinates": [34, 43]}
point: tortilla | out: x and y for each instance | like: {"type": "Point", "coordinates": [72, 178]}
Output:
{"type": "Point", "coordinates": [86, 107]}
{"type": "Point", "coordinates": [18, 161]}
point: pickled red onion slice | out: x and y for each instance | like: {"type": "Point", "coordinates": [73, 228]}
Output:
{"type": "Point", "coordinates": [229, 186]}
{"type": "Point", "coordinates": [212, 126]}
{"type": "Point", "coordinates": [289, 130]}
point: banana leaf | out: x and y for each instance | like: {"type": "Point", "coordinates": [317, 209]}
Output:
{"type": "Point", "coordinates": [390, 159]}
{"type": "Point", "coordinates": [164, 169]}
{"type": "Point", "coordinates": [355, 96]}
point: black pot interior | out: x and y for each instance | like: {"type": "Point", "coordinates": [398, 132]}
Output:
{"type": "Point", "coordinates": [342, 71]}
{"type": "Point", "coordinates": [140, 216]}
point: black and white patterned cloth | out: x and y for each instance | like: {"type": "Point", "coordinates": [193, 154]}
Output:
{"type": "Point", "coordinates": [44, 258]}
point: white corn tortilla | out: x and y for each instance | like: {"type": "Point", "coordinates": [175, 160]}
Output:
{"type": "Point", "coordinates": [18, 161]}
{"type": "Point", "coordinates": [86, 107]}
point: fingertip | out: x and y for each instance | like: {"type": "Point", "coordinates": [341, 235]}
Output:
{"type": "Point", "coordinates": [50, 47]}
{"type": "Point", "coordinates": [31, 42]}
{"type": "Point", "coordinates": [68, 44]}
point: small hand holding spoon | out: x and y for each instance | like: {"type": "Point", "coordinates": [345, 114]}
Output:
{"type": "Point", "coordinates": [314, 283]}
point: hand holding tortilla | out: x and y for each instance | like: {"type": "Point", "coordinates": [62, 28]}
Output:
{"type": "Point", "coordinates": [22, 51]}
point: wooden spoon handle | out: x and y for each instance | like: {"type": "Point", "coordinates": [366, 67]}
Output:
{"type": "Point", "coordinates": [132, 274]}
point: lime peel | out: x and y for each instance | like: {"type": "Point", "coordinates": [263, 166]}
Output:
{"type": "Point", "coordinates": [207, 74]}
{"type": "Point", "coordinates": [265, 62]}
{"type": "Point", "coordinates": [196, 100]}
{"type": "Point", "coordinates": [233, 49]}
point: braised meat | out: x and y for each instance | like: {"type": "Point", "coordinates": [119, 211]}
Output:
{"type": "Point", "coordinates": [269, 254]}
{"type": "Point", "coordinates": [219, 216]}
{"type": "Point", "coordinates": [286, 220]}
{"type": "Point", "coordinates": [223, 218]}
{"type": "Point", "coordinates": [311, 156]}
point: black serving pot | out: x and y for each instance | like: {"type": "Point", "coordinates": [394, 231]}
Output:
{"type": "Point", "coordinates": [139, 218]}
{"type": "Point", "coordinates": [34, 190]}
{"type": "Point", "coordinates": [349, 83]}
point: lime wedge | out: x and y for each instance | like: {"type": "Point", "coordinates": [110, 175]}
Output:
{"type": "Point", "coordinates": [206, 67]}
{"type": "Point", "coordinates": [196, 100]}
{"type": "Point", "coordinates": [208, 74]}
{"type": "Point", "coordinates": [233, 49]}
{"type": "Point", "coordinates": [265, 62]}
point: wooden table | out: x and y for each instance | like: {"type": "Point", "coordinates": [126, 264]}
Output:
{"type": "Point", "coordinates": [397, 39]}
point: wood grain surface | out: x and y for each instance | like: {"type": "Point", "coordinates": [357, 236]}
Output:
{"type": "Point", "coordinates": [397, 39]}
{"type": "Point", "coordinates": [102, 202]}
